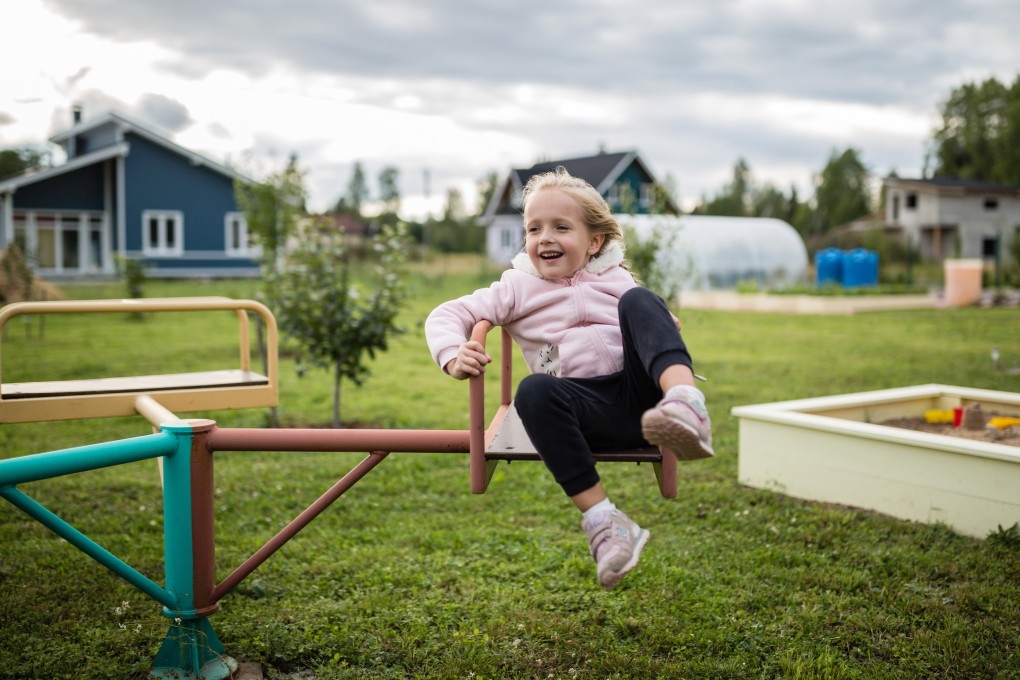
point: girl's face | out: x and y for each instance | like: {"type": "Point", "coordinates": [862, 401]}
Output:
{"type": "Point", "coordinates": [557, 240]}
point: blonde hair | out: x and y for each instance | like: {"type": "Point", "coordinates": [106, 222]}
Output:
{"type": "Point", "coordinates": [594, 209]}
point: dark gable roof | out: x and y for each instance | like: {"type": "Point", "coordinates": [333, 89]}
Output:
{"type": "Point", "coordinates": [592, 169]}
{"type": "Point", "coordinates": [600, 171]}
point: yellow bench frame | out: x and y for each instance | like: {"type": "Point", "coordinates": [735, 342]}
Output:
{"type": "Point", "coordinates": [160, 395]}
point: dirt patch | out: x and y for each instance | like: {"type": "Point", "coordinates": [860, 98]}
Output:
{"type": "Point", "coordinates": [1009, 436]}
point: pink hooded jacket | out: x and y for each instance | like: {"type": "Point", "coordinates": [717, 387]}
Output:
{"type": "Point", "coordinates": [568, 327]}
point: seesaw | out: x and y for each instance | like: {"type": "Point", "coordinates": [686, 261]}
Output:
{"type": "Point", "coordinates": [185, 448]}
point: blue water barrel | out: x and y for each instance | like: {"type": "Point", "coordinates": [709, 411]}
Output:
{"type": "Point", "coordinates": [829, 266]}
{"type": "Point", "coordinates": [860, 268]}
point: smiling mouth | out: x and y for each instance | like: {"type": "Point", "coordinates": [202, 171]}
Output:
{"type": "Point", "coordinates": [551, 256]}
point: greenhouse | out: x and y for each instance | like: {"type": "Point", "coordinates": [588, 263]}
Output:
{"type": "Point", "coordinates": [711, 253]}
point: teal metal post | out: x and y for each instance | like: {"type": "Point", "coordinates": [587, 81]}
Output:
{"type": "Point", "coordinates": [41, 466]}
{"type": "Point", "coordinates": [191, 649]}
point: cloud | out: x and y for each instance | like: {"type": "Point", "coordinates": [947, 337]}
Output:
{"type": "Point", "coordinates": [70, 84]}
{"type": "Point", "coordinates": [167, 113]}
{"type": "Point", "coordinates": [867, 51]}
{"type": "Point", "coordinates": [93, 103]}
{"type": "Point", "coordinates": [465, 86]}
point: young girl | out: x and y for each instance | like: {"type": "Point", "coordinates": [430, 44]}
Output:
{"type": "Point", "coordinates": [609, 369]}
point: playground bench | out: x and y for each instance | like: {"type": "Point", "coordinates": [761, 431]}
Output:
{"type": "Point", "coordinates": [231, 388]}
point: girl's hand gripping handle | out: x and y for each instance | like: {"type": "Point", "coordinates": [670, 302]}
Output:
{"type": "Point", "coordinates": [471, 356]}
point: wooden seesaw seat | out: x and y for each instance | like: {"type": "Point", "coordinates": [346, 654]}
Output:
{"type": "Point", "coordinates": [122, 396]}
{"type": "Point", "coordinates": [505, 438]}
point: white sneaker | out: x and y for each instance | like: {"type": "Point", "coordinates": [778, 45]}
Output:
{"type": "Point", "coordinates": [615, 543]}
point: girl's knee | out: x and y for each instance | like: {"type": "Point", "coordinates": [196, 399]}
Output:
{"type": "Point", "coordinates": [641, 301]}
{"type": "Point", "coordinates": [535, 392]}
{"type": "Point", "coordinates": [534, 387]}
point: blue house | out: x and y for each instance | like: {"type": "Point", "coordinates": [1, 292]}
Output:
{"type": "Point", "coordinates": [622, 178]}
{"type": "Point", "coordinates": [127, 190]}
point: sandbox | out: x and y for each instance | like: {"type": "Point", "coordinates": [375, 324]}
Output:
{"type": "Point", "coordinates": [833, 449]}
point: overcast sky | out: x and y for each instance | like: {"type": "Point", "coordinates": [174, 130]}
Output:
{"type": "Point", "coordinates": [452, 89]}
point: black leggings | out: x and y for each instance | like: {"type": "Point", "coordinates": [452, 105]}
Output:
{"type": "Point", "coordinates": [568, 418]}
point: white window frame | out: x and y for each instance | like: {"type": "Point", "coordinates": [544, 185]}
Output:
{"type": "Point", "coordinates": [28, 225]}
{"type": "Point", "coordinates": [248, 249]}
{"type": "Point", "coordinates": [613, 195]}
{"type": "Point", "coordinates": [647, 193]}
{"type": "Point", "coordinates": [161, 249]}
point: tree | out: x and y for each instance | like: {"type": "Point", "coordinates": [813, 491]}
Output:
{"type": "Point", "coordinates": [487, 186]}
{"type": "Point", "coordinates": [357, 193]}
{"type": "Point", "coordinates": [734, 199]}
{"type": "Point", "coordinates": [389, 191]}
{"type": "Point", "coordinates": [743, 197]}
{"type": "Point", "coordinates": [768, 201]}
{"type": "Point", "coordinates": [455, 231]}
{"type": "Point", "coordinates": [800, 215]}
{"type": "Point", "coordinates": [978, 136]}
{"type": "Point", "coordinates": [655, 260]}
{"type": "Point", "coordinates": [389, 197]}
{"type": "Point", "coordinates": [653, 256]}
{"type": "Point", "coordinates": [335, 321]}
{"type": "Point", "coordinates": [664, 196]}
{"type": "Point", "coordinates": [20, 159]}
{"type": "Point", "coordinates": [626, 199]}
{"type": "Point", "coordinates": [272, 208]}
{"type": "Point", "coordinates": [841, 191]}
{"type": "Point", "coordinates": [454, 209]}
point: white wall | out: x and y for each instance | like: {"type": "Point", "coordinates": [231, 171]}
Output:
{"type": "Point", "coordinates": [972, 220]}
{"type": "Point", "coordinates": [503, 238]}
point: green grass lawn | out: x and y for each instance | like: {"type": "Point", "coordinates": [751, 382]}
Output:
{"type": "Point", "coordinates": [409, 575]}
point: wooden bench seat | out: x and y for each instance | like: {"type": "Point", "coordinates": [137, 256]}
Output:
{"type": "Point", "coordinates": [138, 384]}
{"type": "Point", "coordinates": [511, 442]}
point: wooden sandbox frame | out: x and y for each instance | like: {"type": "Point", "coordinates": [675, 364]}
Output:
{"type": "Point", "coordinates": [831, 449]}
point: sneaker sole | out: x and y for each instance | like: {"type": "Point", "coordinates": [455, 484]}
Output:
{"type": "Point", "coordinates": [673, 437]}
{"type": "Point", "coordinates": [611, 579]}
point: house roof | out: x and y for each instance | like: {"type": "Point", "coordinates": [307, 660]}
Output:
{"type": "Point", "coordinates": [948, 186]}
{"type": "Point", "coordinates": [127, 123]}
{"type": "Point", "coordinates": [121, 123]}
{"type": "Point", "coordinates": [600, 171]}
{"type": "Point", "coordinates": [33, 176]}
{"type": "Point", "coordinates": [346, 224]}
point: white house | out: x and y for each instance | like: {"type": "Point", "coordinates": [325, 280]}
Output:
{"type": "Point", "coordinates": [948, 218]}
